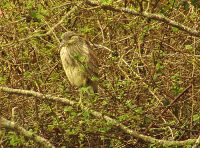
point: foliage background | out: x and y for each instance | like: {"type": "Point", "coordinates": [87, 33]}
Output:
{"type": "Point", "coordinates": [143, 56]}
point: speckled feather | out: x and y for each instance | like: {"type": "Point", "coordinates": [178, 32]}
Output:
{"type": "Point", "coordinates": [81, 70]}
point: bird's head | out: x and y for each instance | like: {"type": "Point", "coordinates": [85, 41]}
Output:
{"type": "Point", "coordinates": [66, 37]}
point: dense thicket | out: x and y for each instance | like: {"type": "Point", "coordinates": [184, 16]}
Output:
{"type": "Point", "coordinates": [149, 71]}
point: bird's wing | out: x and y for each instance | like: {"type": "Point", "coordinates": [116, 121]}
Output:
{"type": "Point", "coordinates": [93, 60]}
{"type": "Point", "coordinates": [88, 58]}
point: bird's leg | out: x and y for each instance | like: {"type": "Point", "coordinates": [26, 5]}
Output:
{"type": "Point", "coordinates": [80, 99]}
{"type": "Point", "coordinates": [85, 91]}
{"type": "Point", "coordinates": [81, 95]}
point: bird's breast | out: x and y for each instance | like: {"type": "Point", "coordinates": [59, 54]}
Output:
{"type": "Point", "coordinates": [75, 73]}
{"type": "Point", "coordinates": [66, 56]}
{"type": "Point", "coordinates": [76, 76]}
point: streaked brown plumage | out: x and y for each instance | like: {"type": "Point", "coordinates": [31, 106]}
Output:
{"type": "Point", "coordinates": [78, 60]}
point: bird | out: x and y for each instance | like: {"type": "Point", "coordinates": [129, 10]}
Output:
{"type": "Point", "coordinates": [79, 62]}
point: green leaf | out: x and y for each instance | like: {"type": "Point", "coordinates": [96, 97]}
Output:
{"type": "Point", "coordinates": [165, 102]}
{"type": "Point", "coordinates": [87, 29]}
{"type": "Point", "coordinates": [73, 113]}
{"type": "Point", "coordinates": [68, 109]}
{"type": "Point", "coordinates": [196, 117]}
{"type": "Point", "coordinates": [189, 47]}
{"type": "Point", "coordinates": [3, 79]}
{"type": "Point", "coordinates": [42, 10]}
{"type": "Point", "coordinates": [150, 145]}
{"type": "Point", "coordinates": [94, 78]}
{"type": "Point", "coordinates": [84, 89]}
{"type": "Point", "coordinates": [27, 74]}
{"type": "Point", "coordinates": [55, 76]}
{"type": "Point", "coordinates": [123, 117]}
{"type": "Point", "coordinates": [106, 2]}
{"type": "Point", "coordinates": [104, 129]}
{"type": "Point", "coordinates": [188, 146]}
{"type": "Point", "coordinates": [86, 114]}
{"type": "Point", "coordinates": [147, 120]}
{"type": "Point", "coordinates": [30, 4]}
{"type": "Point", "coordinates": [176, 77]}
{"type": "Point", "coordinates": [129, 103]}
{"type": "Point", "coordinates": [37, 16]}
{"type": "Point", "coordinates": [176, 89]}
{"type": "Point", "coordinates": [15, 140]}
{"type": "Point", "coordinates": [138, 110]}
{"type": "Point", "coordinates": [71, 131]}
{"type": "Point", "coordinates": [175, 29]}
{"type": "Point", "coordinates": [8, 5]}
{"type": "Point", "coordinates": [156, 76]}
{"type": "Point", "coordinates": [196, 3]}
{"type": "Point", "coordinates": [186, 5]}
{"type": "Point", "coordinates": [159, 67]}
{"type": "Point", "coordinates": [50, 127]}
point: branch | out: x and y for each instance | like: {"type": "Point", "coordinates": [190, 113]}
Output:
{"type": "Point", "coordinates": [99, 115]}
{"type": "Point", "coordinates": [158, 17]}
{"type": "Point", "coordinates": [197, 143]}
{"type": "Point", "coordinates": [4, 123]}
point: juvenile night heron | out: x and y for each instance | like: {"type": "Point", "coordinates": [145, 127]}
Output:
{"type": "Point", "coordinates": [79, 62]}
